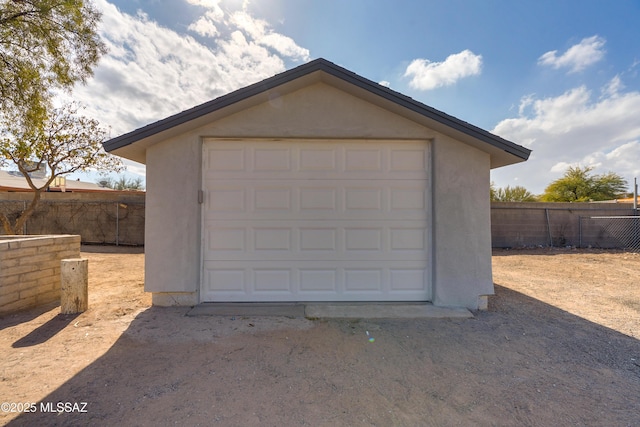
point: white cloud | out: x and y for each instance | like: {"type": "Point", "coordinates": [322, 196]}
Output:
{"type": "Point", "coordinates": [210, 4]}
{"type": "Point", "coordinates": [151, 72]}
{"type": "Point", "coordinates": [613, 87]}
{"type": "Point", "coordinates": [260, 32]}
{"type": "Point", "coordinates": [204, 27]}
{"type": "Point", "coordinates": [578, 57]}
{"type": "Point", "coordinates": [285, 46]}
{"type": "Point", "coordinates": [426, 75]}
{"type": "Point", "coordinates": [574, 129]}
{"type": "Point", "coordinates": [252, 29]}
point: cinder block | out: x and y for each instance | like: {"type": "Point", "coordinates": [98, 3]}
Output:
{"type": "Point", "coordinates": [9, 279]}
{"type": "Point", "coordinates": [57, 247]}
{"type": "Point", "coordinates": [39, 258]}
{"type": "Point", "coordinates": [36, 242]}
{"type": "Point", "coordinates": [47, 297]}
{"type": "Point", "coordinates": [19, 253]}
{"type": "Point", "coordinates": [19, 269]}
{"type": "Point", "coordinates": [38, 274]}
{"type": "Point", "coordinates": [9, 298]}
{"type": "Point", "coordinates": [18, 305]}
{"type": "Point", "coordinates": [6, 263]}
{"type": "Point", "coordinates": [30, 291]}
{"type": "Point", "coordinates": [6, 289]}
{"type": "Point", "coordinates": [52, 281]}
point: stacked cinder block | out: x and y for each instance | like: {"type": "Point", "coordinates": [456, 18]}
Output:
{"type": "Point", "coordinates": [30, 269]}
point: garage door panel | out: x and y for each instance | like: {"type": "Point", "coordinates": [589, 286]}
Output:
{"type": "Point", "coordinates": [326, 199]}
{"type": "Point", "coordinates": [300, 240]}
{"type": "Point", "coordinates": [363, 239]}
{"type": "Point", "coordinates": [272, 280]}
{"type": "Point", "coordinates": [316, 281]}
{"type": "Point", "coordinates": [312, 160]}
{"type": "Point", "coordinates": [408, 279]}
{"type": "Point", "coordinates": [363, 280]}
{"type": "Point", "coordinates": [222, 239]}
{"type": "Point", "coordinates": [358, 198]}
{"type": "Point", "coordinates": [226, 279]}
{"type": "Point", "coordinates": [408, 160]}
{"type": "Point", "coordinates": [313, 239]}
{"type": "Point", "coordinates": [358, 159]}
{"type": "Point", "coordinates": [320, 199]}
{"type": "Point", "coordinates": [271, 239]}
{"type": "Point", "coordinates": [271, 159]}
{"type": "Point", "coordinates": [318, 159]}
{"type": "Point", "coordinates": [274, 198]}
{"type": "Point", "coordinates": [225, 159]}
{"type": "Point", "coordinates": [316, 221]}
{"type": "Point", "coordinates": [225, 199]}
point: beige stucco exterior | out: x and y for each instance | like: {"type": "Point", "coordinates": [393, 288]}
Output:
{"type": "Point", "coordinates": [461, 242]}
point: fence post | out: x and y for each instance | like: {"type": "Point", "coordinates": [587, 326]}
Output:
{"type": "Point", "coordinates": [546, 211]}
{"type": "Point", "coordinates": [74, 282]}
{"type": "Point", "coordinates": [580, 232]}
{"type": "Point", "coordinates": [117, 224]}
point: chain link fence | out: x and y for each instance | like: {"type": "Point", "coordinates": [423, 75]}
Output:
{"type": "Point", "coordinates": [119, 220]}
{"type": "Point", "coordinates": [97, 222]}
{"type": "Point", "coordinates": [623, 231]}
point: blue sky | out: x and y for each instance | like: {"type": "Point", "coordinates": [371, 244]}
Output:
{"type": "Point", "coordinates": [559, 77]}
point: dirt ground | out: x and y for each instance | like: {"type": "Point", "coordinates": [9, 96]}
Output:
{"type": "Point", "coordinates": [559, 345]}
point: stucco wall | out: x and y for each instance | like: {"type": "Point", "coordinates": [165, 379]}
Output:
{"type": "Point", "coordinates": [462, 244]}
{"type": "Point", "coordinates": [30, 269]}
{"type": "Point", "coordinates": [462, 224]}
{"type": "Point", "coordinates": [172, 220]}
{"type": "Point", "coordinates": [317, 111]}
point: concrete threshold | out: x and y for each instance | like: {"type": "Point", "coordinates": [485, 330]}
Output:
{"type": "Point", "coordinates": [331, 310]}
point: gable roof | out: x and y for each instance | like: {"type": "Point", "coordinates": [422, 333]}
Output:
{"type": "Point", "coordinates": [503, 152]}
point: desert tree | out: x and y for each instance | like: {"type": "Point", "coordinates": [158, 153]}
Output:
{"type": "Point", "coordinates": [511, 194]}
{"type": "Point", "coordinates": [122, 183]}
{"type": "Point", "coordinates": [64, 142]}
{"type": "Point", "coordinates": [578, 184]}
{"type": "Point", "coordinates": [45, 45]}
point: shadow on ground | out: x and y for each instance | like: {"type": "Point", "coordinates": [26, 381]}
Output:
{"type": "Point", "coordinates": [46, 331]}
{"type": "Point", "coordinates": [522, 362]}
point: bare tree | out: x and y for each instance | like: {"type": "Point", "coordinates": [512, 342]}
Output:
{"type": "Point", "coordinates": [64, 142]}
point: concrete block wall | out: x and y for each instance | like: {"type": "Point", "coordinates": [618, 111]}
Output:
{"type": "Point", "coordinates": [30, 269]}
{"type": "Point", "coordinates": [115, 217]}
{"type": "Point", "coordinates": [553, 224]}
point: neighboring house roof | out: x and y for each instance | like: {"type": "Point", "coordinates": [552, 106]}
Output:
{"type": "Point", "coordinates": [14, 181]}
{"type": "Point", "coordinates": [626, 200]}
{"type": "Point", "coordinates": [133, 145]}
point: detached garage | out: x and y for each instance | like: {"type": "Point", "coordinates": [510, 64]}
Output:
{"type": "Point", "coordinates": [317, 185]}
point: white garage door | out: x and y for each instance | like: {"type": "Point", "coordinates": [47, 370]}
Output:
{"type": "Point", "coordinates": [316, 221]}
